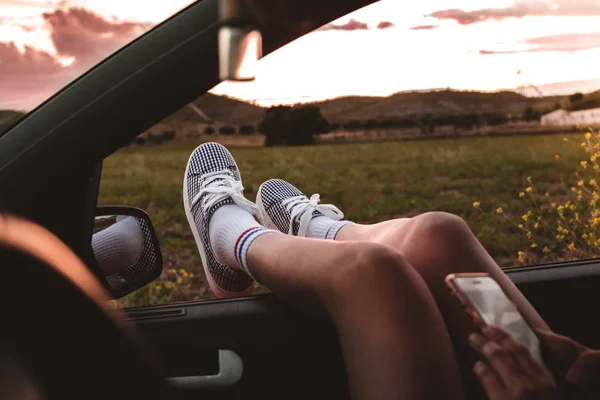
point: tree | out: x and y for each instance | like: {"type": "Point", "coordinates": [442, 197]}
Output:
{"type": "Point", "coordinates": [287, 126]}
{"type": "Point", "coordinates": [575, 98]}
{"type": "Point", "coordinates": [530, 114]}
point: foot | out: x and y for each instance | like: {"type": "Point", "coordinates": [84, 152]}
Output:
{"type": "Point", "coordinates": [282, 206]}
{"type": "Point", "coordinates": [212, 193]}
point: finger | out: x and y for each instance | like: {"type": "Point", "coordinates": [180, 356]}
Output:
{"type": "Point", "coordinates": [563, 351]}
{"type": "Point", "coordinates": [498, 358]}
{"type": "Point", "coordinates": [490, 382]}
{"type": "Point", "coordinates": [521, 354]}
{"type": "Point", "coordinates": [585, 371]}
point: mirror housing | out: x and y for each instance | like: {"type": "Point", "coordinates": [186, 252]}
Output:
{"type": "Point", "coordinates": [239, 42]}
{"type": "Point", "coordinates": [126, 248]}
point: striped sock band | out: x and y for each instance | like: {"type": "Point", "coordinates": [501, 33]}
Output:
{"type": "Point", "coordinates": [243, 244]}
{"type": "Point", "coordinates": [334, 229]}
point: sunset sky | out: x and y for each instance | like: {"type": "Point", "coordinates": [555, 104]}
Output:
{"type": "Point", "coordinates": [391, 46]}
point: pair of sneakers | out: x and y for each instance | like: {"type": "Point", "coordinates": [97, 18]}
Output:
{"type": "Point", "coordinates": [212, 180]}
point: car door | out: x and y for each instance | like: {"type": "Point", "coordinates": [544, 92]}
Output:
{"type": "Point", "coordinates": [252, 347]}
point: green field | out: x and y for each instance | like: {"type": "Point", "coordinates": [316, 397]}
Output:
{"type": "Point", "coordinates": [369, 182]}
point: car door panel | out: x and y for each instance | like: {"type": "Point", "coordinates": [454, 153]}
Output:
{"type": "Point", "coordinates": [291, 355]}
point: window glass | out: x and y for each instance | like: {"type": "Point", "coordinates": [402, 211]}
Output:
{"type": "Point", "coordinates": [46, 44]}
{"type": "Point", "coordinates": [473, 108]}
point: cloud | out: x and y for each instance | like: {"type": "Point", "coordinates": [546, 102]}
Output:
{"type": "Point", "coordinates": [564, 43]}
{"type": "Point", "coordinates": [385, 25]}
{"type": "Point", "coordinates": [351, 25]}
{"type": "Point", "coordinates": [521, 9]}
{"type": "Point", "coordinates": [423, 27]}
{"type": "Point", "coordinates": [87, 37]}
{"type": "Point", "coordinates": [28, 77]}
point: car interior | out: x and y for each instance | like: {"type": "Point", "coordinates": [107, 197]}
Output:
{"type": "Point", "coordinates": [251, 347]}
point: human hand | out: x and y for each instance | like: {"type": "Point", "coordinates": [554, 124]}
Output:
{"type": "Point", "coordinates": [510, 373]}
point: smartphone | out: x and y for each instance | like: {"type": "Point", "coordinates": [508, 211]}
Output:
{"type": "Point", "coordinates": [488, 305]}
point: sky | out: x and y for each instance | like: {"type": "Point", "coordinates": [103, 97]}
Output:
{"type": "Point", "coordinates": [390, 46]}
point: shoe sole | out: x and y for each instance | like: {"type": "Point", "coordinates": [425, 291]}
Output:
{"type": "Point", "coordinates": [265, 220]}
{"type": "Point", "coordinates": [217, 290]}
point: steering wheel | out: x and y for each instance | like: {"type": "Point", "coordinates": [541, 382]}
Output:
{"type": "Point", "coordinates": [58, 337]}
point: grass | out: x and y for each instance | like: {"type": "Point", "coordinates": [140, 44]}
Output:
{"type": "Point", "coordinates": [370, 182]}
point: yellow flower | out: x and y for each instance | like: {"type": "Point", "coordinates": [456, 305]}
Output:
{"type": "Point", "coordinates": [588, 135]}
{"type": "Point", "coordinates": [520, 226]}
{"type": "Point", "coordinates": [573, 189]}
{"type": "Point", "coordinates": [524, 216]}
{"type": "Point", "coordinates": [533, 245]}
{"type": "Point", "coordinates": [529, 179]}
{"type": "Point", "coordinates": [521, 256]}
{"type": "Point", "coordinates": [476, 204]}
{"type": "Point", "coordinates": [557, 156]}
{"type": "Point", "coordinates": [191, 275]}
{"type": "Point", "coordinates": [521, 194]}
{"type": "Point", "coordinates": [594, 157]}
{"type": "Point", "coordinates": [529, 189]}
{"type": "Point", "coordinates": [565, 139]}
{"type": "Point", "coordinates": [171, 271]}
{"type": "Point", "coordinates": [572, 207]}
{"type": "Point", "coordinates": [571, 246]}
{"type": "Point", "coordinates": [553, 205]}
{"type": "Point", "coordinates": [546, 250]}
{"type": "Point", "coordinates": [529, 234]}
{"type": "Point", "coordinates": [580, 182]}
{"type": "Point", "coordinates": [593, 182]}
{"type": "Point", "coordinates": [499, 210]}
{"type": "Point", "coordinates": [536, 225]}
{"type": "Point", "coordinates": [584, 164]}
{"type": "Point", "coordinates": [179, 281]}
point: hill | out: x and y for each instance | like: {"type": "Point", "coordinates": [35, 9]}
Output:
{"type": "Point", "coordinates": [8, 117]}
{"type": "Point", "coordinates": [221, 110]}
{"type": "Point", "coordinates": [434, 102]}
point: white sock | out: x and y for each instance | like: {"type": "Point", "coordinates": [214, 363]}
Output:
{"type": "Point", "coordinates": [323, 227]}
{"type": "Point", "coordinates": [231, 231]}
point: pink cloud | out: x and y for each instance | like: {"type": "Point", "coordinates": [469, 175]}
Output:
{"type": "Point", "coordinates": [564, 42]}
{"type": "Point", "coordinates": [351, 25]}
{"type": "Point", "coordinates": [385, 25]}
{"type": "Point", "coordinates": [423, 27]}
{"type": "Point", "coordinates": [28, 78]}
{"type": "Point", "coordinates": [521, 9]}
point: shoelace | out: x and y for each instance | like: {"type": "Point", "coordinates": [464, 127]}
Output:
{"type": "Point", "coordinates": [220, 185]}
{"type": "Point", "coordinates": [302, 208]}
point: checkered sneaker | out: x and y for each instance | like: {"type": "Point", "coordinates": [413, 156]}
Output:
{"type": "Point", "coordinates": [284, 207]}
{"type": "Point", "coordinates": [212, 180]}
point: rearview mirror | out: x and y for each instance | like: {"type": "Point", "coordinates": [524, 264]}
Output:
{"type": "Point", "coordinates": [126, 248]}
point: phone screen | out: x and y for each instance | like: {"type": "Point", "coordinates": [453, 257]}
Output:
{"type": "Point", "coordinates": [495, 309]}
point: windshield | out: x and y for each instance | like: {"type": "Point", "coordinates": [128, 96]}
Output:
{"type": "Point", "coordinates": [46, 44]}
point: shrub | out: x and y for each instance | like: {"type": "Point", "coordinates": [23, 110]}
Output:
{"type": "Point", "coordinates": [139, 141]}
{"type": "Point", "coordinates": [168, 136]}
{"type": "Point", "coordinates": [247, 129]}
{"type": "Point", "coordinates": [155, 139]}
{"type": "Point", "coordinates": [563, 223]}
{"type": "Point", "coordinates": [353, 125]}
{"type": "Point", "coordinates": [209, 130]}
{"type": "Point", "coordinates": [227, 130]}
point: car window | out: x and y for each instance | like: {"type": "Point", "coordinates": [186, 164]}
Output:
{"type": "Point", "coordinates": [481, 109]}
{"type": "Point", "coordinates": [44, 45]}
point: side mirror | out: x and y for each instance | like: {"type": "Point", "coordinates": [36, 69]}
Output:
{"type": "Point", "coordinates": [126, 248]}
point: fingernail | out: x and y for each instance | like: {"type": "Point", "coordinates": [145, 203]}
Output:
{"type": "Point", "coordinates": [479, 366]}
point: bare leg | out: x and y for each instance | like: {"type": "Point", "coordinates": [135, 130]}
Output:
{"type": "Point", "coordinates": [392, 334]}
{"type": "Point", "coordinates": [437, 244]}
